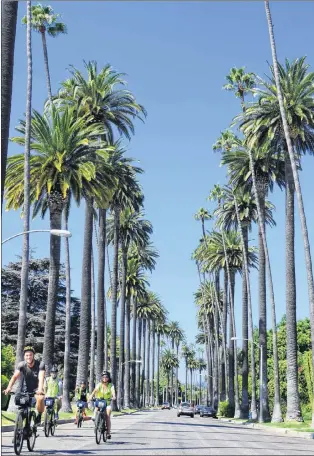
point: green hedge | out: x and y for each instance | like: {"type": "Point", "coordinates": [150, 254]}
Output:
{"type": "Point", "coordinates": [4, 399]}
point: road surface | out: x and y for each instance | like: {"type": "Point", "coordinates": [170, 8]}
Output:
{"type": "Point", "coordinates": [162, 433]}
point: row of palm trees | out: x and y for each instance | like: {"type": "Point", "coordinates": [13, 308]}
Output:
{"type": "Point", "coordinates": [74, 153]}
{"type": "Point", "coordinates": [275, 128]}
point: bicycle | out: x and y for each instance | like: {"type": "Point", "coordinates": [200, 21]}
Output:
{"type": "Point", "coordinates": [50, 417]}
{"type": "Point", "coordinates": [79, 413]}
{"type": "Point", "coordinates": [25, 422]}
{"type": "Point", "coordinates": [100, 422]}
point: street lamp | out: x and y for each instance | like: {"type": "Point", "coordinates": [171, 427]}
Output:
{"type": "Point", "coordinates": [60, 233]}
{"type": "Point", "coordinates": [260, 347]}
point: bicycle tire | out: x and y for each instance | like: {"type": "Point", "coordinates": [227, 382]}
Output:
{"type": "Point", "coordinates": [104, 430]}
{"type": "Point", "coordinates": [53, 423]}
{"type": "Point", "coordinates": [46, 423]}
{"type": "Point", "coordinates": [98, 428]}
{"type": "Point", "coordinates": [79, 419]}
{"type": "Point", "coordinates": [18, 434]}
{"type": "Point", "coordinates": [32, 430]}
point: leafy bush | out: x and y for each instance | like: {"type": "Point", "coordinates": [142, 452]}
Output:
{"type": "Point", "coordinates": [7, 360]}
{"type": "Point", "coordinates": [226, 410]}
{"type": "Point", "coordinates": [4, 399]}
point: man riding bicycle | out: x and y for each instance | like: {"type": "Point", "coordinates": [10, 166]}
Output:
{"type": "Point", "coordinates": [104, 391]}
{"type": "Point", "coordinates": [53, 389]}
{"type": "Point", "coordinates": [33, 379]}
{"type": "Point", "coordinates": [81, 395]}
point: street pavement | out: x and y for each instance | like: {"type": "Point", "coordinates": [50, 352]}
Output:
{"type": "Point", "coordinates": [162, 433]}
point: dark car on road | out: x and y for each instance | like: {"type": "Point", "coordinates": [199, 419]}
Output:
{"type": "Point", "coordinates": [165, 406]}
{"type": "Point", "coordinates": [198, 409]}
{"type": "Point", "coordinates": [185, 408]}
{"type": "Point", "coordinates": [208, 411]}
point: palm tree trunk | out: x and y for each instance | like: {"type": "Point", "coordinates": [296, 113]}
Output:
{"type": "Point", "coordinates": [66, 403]}
{"type": "Point", "coordinates": [186, 379]}
{"type": "Point", "coordinates": [113, 345]}
{"type": "Point", "coordinates": [260, 192]}
{"type": "Point", "coordinates": [133, 367]}
{"type": "Point", "coordinates": [122, 324]}
{"type": "Point", "coordinates": [171, 386]}
{"type": "Point", "coordinates": [158, 372]}
{"type": "Point", "coordinates": [191, 384]}
{"type": "Point", "coordinates": [216, 362]}
{"type": "Point", "coordinates": [43, 37]}
{"type": "Point", "coordinates": [293, 400]}
{"type": "Point", "coordinates": [245, 333]}
{"type": "Point", "coordinates": [177, 376]}
{"type": "Point", "coordinates": [92, 346]}
{"type": "Point", "coordinates": [237, 411]}
{"type": "Point", "coordinates": [138, 368]}
{"type": "Point", "coordinates": [85, 313]}
{"type": "Point", "coordinates": [224, 329]}
{"type": "Point", "coordinates": [307, 250]}
{"type": "Point", "coordinates": [55, 207]}
{"type": "Point", "coordinates": [127, 353]}
{"type": "Point", "coordinates": [152, 391]}
{"type": "Point", "coordinates": [143, 364]}
{"type": "Point", "coordinates": [250, 316]}
{"type": "Point", "coordinates": [8, 32]}
{"type": "Point", "coordinates": [101, 327]}
{"type": "Point", "coordinates": [12, 11]}
{"type": "Point", "coordinates": [148, 364]}
{"type": "Point", "coordinates": [231, 366]}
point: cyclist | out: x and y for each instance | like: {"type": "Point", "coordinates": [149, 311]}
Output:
{"type": "Point", "coordinates": [104, 391]}
{"type": "Point", "coordinates": [53, 389]}
{"type": "Point", "coordinates": [81, 395]}
{"type": "Point", "coordinates": [33, 379]}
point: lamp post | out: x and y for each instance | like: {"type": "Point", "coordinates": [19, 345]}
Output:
{"type": "Point", "coordinates": [260, 347]}
{"type": "Point", "coordinates": [61, 233]}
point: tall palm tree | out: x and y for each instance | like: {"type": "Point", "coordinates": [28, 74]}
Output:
{"type": "Point", "coordinates": [44, 20]}
{"type": "Point", "coordinates": [101, 303]}
{"type": "Point", "coordinates": [201, 365]}
{"type": "Point", "coordinates": [178, 340]}
{"type": "Point", "coordinates": [240, 82]}
{"type": "Point", "coordinates": [8, 31]}
{"type": "Point", "coordinates": [63, 145]}
{"type": "Point", "coordinates": [192, 365]}
{"type": "Point", "coordinates": [169, 361]}
{"type": "Point", "coordinates": [93, 333]}
{"type": "Point", "coordinates": [186, 353]}
{"type": "Point", "coordinates": [25, 191]}
{"type": "Point", "coordinates": [264, 116]}
{"type": "Point", "coordinates": [202, 215]}
{"type": "Point", "coordinates": [175, 332]}
{"type": "Point", "coordinates": [307, 250]}
{"type": "Point", "coordinates": [257, 169]}
{"type": "Point", "coordinates": [161, 329]}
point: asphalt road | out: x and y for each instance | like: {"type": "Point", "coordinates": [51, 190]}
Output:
{"type": "Point", "coordinates": [162, 433]}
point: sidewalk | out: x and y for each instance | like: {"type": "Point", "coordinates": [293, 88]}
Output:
{"type": "Point", "coordinates": [274, 430]}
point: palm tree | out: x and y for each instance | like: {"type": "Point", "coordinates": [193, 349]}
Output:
{"type": "Point", "coordinates": [161, 329]}
{"type": "Point", "coordinates": [44, 20]}
{"type": "Point", "coordinates": [25, 191]}
{"type": "Point", "coordinates": [202, 215]}
{"type": "Point", "coordinates": [8, 32]}
{"type": "Point", "coordinates": [178, 339]}
{"type": "Point", "coordinates": [175, 332]}
{"type": "Point", "coordinates": [257, 169]}
{"type": "Point", "coordinates": [169, 361]}
{"type": "Point", "coordinates": [64, 145]}
{"type": "Point", "coordinates": [307, 250]}
{"type": "Point", "coordinates": [240, 82]}
{"type": "Point", "coordinates": [101, 309]}
{"type": "Point", "coordinates": [264, 115]}
{"type": "Point", "coordinates": [192, 365]}
{"type": "Point", "coordinates": [201, 365]}
{"type": "Point", "coordinates": [93, 334]}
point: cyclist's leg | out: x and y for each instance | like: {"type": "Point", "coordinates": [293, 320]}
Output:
{"type": "Point", "coordinates": [58, 405]}
{"type": "Point", "coordinates": [40, 406]}
{"type": "Point", "coordinates": [108, 420]}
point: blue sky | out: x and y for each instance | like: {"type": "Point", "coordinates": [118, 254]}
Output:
{"type": "Point", "coordinates": [176, 56]}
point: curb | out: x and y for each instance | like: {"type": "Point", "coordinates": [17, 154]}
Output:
{"type": "Point", "coordinates": [285, 431]}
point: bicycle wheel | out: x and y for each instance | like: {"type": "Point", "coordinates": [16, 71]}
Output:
{"type": "Point", "coordinates": [79, 419]}
{"type": "Point", "coordinates": [18, 433]}
{"type": "Point", "coordinates": [53, 423]}
{"type": "Point", "coordinates": [32, 431]}
{"type": "Point", "coordinates": [104, 429]}
{"type": "Point", "coordinates": [98, 428]}
{"type": "Point", "coordinates": [47, 423]}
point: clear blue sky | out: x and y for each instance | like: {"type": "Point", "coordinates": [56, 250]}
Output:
{"type": "Point", "coordinates": [176, 56]}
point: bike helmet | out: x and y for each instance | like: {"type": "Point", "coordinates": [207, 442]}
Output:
{"type": "Point", "coordinates": [29, 348]}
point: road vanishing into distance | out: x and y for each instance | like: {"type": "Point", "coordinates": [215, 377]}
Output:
{"type": "Point", "coordinates": [162, 433]}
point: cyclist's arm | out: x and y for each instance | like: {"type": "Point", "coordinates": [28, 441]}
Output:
{"type": "Point", "coordinates": [14, 377]}
{"type": "Point", "coordinates": [93, 392]}
{"type": "Point", "coordinates": [60, 392]}
{"type": "Point", "coordinates": [113, 393]}
{"type": "Point", "coordinates": [41, 378]}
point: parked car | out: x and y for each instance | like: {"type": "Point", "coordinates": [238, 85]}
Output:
{"type": "Point", "coordinates": [198, 409]}
{"type": "Point", "coordinates": [208, 411]}
{"type": "Point", "coordinates": [165, 406]}
{"type": "Point", "coordinates": [185, 408]}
